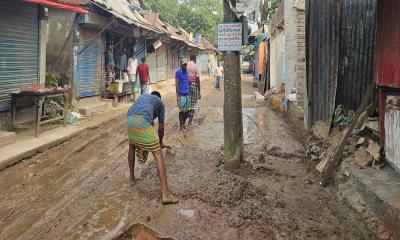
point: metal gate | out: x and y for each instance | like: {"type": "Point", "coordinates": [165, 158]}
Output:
{"type": "Point", "coordinates": [90, 63]}
{"type": "Point", "coordinates": [19, 44]}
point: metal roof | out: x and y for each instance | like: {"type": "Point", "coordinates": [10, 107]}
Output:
{"type": "Point", "coordinates": [74, 2]}
{"type": "Point", "coordinates": [121, 9]}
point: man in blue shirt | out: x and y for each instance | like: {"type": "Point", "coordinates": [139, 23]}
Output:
{"type": "Point", "coordinates": [143, 137]}
{"type": "Point", "coordinates": [182, 93]}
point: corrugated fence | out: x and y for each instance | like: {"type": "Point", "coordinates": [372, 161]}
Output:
{"type": "Point", "coordinates": [340, 44]}
{"type": "Point", "coordinates": [322, 58]}
{"type": "Point", "coordinates": [357, 34]}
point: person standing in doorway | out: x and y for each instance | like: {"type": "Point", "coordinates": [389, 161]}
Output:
{"type": "Point", "coordinates": [132, 67]}
{"type": "Point", "coordinates": [182, 93]}
{"type": "Point", "coordinates": [144, 76]}
{"type": "Point", "coordinates": [123, 61]}
{"type": "Point", "coordinates": [110, 64]}
{"type": "Point", "coordinates": [219, 71]}
{"type": "Point", "coordinates": [143, 137]}
{"type": "Point", "coordinates": [194, 86]}
{"type": "Point", "coordinates": [209, 68]}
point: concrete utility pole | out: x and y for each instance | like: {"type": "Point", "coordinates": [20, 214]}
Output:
{"type": "Point", "coordinates": [233, 122]}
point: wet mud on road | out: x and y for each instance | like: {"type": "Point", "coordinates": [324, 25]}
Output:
{"type": "Point", "coordinates": [80, 189]}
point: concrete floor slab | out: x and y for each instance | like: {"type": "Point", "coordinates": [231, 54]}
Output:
{"type": "Point", "coordinates": [7, 138]}
{"type": "Point", "coordinates": [381, 190]}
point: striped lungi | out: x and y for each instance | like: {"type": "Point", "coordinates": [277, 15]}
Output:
{"type": "Point", "coordinates": [194, 95]}
{"type": "Point", "coordinates": [142, 134]}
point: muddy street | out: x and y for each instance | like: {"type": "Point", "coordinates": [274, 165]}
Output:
{"type": "Point", "coordinates": [80, 189]}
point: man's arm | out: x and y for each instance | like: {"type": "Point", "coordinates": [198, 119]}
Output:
{"type": "Point", "coordinates": [161, 119]}
{"type": "Point", "coordinates": [198, 80]}
{"type": "Point", "coordinates": [137, 72]}
{"type": "Point", "coordinates": [161, 133]}
{"type": "Point", "coordinates": [148, 73]}
{"type": "Point", "coordinates": [177, 84]}
{"type": "Point", "coordinates": [198, 85]}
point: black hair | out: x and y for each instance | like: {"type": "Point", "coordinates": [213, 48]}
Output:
{"type": "Point", "coordinates": [143, 59]}
{"type": "Point", "coordinates": [155, 93]}
{"type": "Point", "coordinates": [193, 57]}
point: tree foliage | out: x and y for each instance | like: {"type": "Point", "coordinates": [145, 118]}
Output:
{"type": "Point", "coordinates": [273, 5]}
{"type": "Point", "coordinates": [196, 16]}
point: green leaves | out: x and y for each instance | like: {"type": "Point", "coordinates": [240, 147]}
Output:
{"type": "Point", "coordinates": [196, 16]}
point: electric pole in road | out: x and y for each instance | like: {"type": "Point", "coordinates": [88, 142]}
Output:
{"type": "Point", "coordinates": [233, 122]}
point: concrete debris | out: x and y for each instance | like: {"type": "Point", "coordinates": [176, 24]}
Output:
{"type": "Point", "coordinates": [360, 141]}
{"type": "Point", "coordinates": [373, 126]}
{"type": "Point", "coordinates": [322, 166]}
{"type": "Point", "coordinates": [257, 96]}
{"type": "Point", "coordinates": [321, 129]}
{"type": "Point", "coordinates": [373, 149]}
{"type": "Point", "coordinates": [362, 157]}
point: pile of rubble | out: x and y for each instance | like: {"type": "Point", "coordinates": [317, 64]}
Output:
{"type": "Point", "coordinates": [363, 146]}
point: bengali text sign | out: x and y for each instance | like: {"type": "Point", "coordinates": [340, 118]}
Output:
{"type": "Point", "coordinates": [230, 37]}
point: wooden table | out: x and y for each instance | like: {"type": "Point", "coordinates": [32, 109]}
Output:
{"type": "Point", "coordinates": [38, 99]}
{"type": "Point", "coordinates": [115, 97]}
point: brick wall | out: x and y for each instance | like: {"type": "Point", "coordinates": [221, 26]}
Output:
{"type": "Point", "coordinates": [300, 67]}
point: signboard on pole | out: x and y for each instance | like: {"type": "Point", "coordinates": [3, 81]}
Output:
{"type": "Point", "coordinates": [230, 37]}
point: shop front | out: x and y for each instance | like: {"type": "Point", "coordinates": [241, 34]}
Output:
{"type": "Point", "coordinates": [19, 47]}
{"type": "Point", "coordinates": [90, 47]}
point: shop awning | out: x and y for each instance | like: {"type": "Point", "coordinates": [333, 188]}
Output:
{"type": "Point", "coordinates": [55, 4]}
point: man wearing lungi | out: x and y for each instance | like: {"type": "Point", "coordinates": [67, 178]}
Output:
{"type": "Point", "coordinates": [142, 136]}
{"type": "Point", "coordinates": [182, 93]}
{"type": "Point", "coordinates": [194, 85]}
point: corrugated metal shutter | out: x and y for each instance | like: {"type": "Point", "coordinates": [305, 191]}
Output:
{"type": "Point", "coordinates": [90, 63]}
{"type": "Point", "coordinates": [161, 64]}
{"type": "Point", "coordinates": [19, 47]}
{"type": "Point", "coordinates": [152, 61]}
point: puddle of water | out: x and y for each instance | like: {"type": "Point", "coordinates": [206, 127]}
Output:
{"type": "Point", "coordinates": [187, 212]}
{"type": "Point", "coordinates": [141, 232]}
